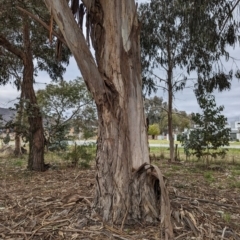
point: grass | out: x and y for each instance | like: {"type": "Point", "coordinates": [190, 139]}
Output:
{"type": "Point", "coordinates": [151, 141]}
{"type": "Point", "coordinates": [233, 155]}
{"type": "Point", "coordinates": [209, 177]}
{"type": "Point", "coordinates": [226, 217]}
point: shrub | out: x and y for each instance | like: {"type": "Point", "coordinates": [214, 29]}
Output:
{"type": "Point", "coordinates": [82, 155]}
{"type": "Point", "coordinates": [153, 130]}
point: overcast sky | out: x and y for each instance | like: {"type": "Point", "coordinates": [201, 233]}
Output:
{"type": "Point", "coordinates": [184, 100]}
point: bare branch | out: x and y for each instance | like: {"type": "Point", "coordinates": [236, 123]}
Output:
{"type": "Point", "coordinates": [8, 46]}
{"type": "Point", "coordinates": [78, 46]}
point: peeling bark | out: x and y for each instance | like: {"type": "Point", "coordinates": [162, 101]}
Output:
{"type": "Point", "coordinates": [126, 192]}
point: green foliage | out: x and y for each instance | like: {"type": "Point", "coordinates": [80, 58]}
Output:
{"type": "Point", "coordinates": [163, 40]}
{"type": "Point", "coordinates": [209, 177]}
{"type": "Point", "coordinates": [42, 50]}
{"type": "Point", "coordinates": [58, 146]}
{"type": "Point", "coordinates": [180, 120]}
{"type": "Point", "coordinates": [226, 217]}
{"type": "Point", "coordinates": [6, 139]}
{"type": "Point", "coordinates": [82, 155]}
{"type": "Point", "coordinates": [190, 35]}
{"type": "Point", "coordinates": [211, 133]}
{"type": "Point", "coordinates": [156, 111]}
{"type": "Point", "coordinates": [154, 108]}
{"type": "Point", "coordinates": [65, 106]}
{"type": "Point", "coordinates": [153, 130]}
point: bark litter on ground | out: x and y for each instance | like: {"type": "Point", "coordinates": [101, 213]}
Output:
{"type": "Point", "coordinates": [56, 204]}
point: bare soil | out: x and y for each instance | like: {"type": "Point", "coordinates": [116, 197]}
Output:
{"type": "Point", "coordinates": [56, 204]}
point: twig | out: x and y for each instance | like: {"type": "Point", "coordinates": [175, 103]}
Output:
{"type": "Point", "coordinates": [209, 201]}
{"type": "Point", "coordinates": [6, 228]}
{"type": "Point", "coordinates": [223, 233]}
{"type": "Point", "coordinates": [79, 231]}
{"type": "Point", "coordinates": [42, 226]}
{"type": "Point", "coordinates": [120, 237]}
{"type": "Point", "coordinates": [182, 235]}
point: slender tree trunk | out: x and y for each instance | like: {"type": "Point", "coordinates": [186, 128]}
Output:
{"type": "Point", "coordinates": [36, 138]}
{"type": "Point", "coordinates": [170, 98]}
{"type": "Point", "coordinates": [18, 150]}
{"type": "Point", "coordinates": [170, 129]}
{"type": "Point", "coordinates": [125, 190]}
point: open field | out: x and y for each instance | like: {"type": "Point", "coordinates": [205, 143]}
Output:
{"type": "Point", "coordinates": [235, 143]}
{"type": "Point", "coordinates": [56, 204]}
{"type": "Point", "coordinates": [232, 156]}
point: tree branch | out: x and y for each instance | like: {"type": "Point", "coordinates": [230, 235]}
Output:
{"type": "Point", "coordinates": [78, 46]}
{"type": "Point", "coordinates": [8, 46]}
{"type": "Point", "coordinates": [43, 24]}
{"type": "Point", "coordinates": [228, 16]}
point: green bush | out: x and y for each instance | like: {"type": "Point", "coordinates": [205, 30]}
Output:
{"type": "Point", "coordinates": [58, 146]}
{"type": "Point", "coordinates": [206, 141]}
{"type": "Point", "coordinates": [82, 155]}
{"type": "Point", "coordinates": [6, 139]}
{"type": "Point", "coordinates": [153, 130]}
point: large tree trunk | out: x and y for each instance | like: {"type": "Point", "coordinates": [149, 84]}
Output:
{"type": "Point", "coordinates": [126, 191]}
{"type": "Point", "coordinates": [122, 138]}
{"type": "Point", "coordinates": [36, 138]}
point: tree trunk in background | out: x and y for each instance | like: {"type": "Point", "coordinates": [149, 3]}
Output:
{"type": "Point", "coordinates": [170, 97]}
{"type": "Point", "coordinates": [36, 138]}
{"type": "Point", "coordinates": [124, 188]}
{"type": "Point", "coordinates": [18, 150]}
{"type": "Point", "coordinates": [170, 129]}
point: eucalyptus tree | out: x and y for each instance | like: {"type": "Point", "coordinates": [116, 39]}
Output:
{"type": "Point", "coordinates": [25, 49]}
{"type": "Point", "coordinates": [190, 36]}
{"type": "Point", "coordinates": [162, 39]}
{"type": "Point", "coordinates": [153, 108]}
{"type": "Point", "coordinates": [125, 180]}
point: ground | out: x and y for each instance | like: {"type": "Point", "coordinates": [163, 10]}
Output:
{"type": "Point", "coordinates": [56, 204]}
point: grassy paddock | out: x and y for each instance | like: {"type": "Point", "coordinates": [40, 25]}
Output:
{"type": "Point", "coordinates": [177, 142]}
{"type": "Point", "coordinates": [232, 156]}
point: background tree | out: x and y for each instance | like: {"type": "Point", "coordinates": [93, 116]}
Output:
{"type": "Point", "coordinates": [192, 36]}
{"type": "Point", "coordinates": [156, 111]}
{"type": "Point", "coordinates": [21, 42]}
{"type": "Point", "coordinates": [64, 106]}
{"type": "Point", "coordinates": [180, 120]}
{"type": "Point", "coordinates": [153, 130]}
{"type": "Point", "coordinates": [114, 80]}
{"type": "Point", "coordinates": [153, 109]}
{"type": "Point", "coordinates": [162, 39]}
{"type": "Point", "coordinates": [211, 133]}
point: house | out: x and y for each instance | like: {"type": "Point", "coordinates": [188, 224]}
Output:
{"type": "Point", "coordinates": [235, 131]}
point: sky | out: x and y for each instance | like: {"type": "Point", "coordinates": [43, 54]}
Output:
{"type": "Point", "coordinates": [184, 100]}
